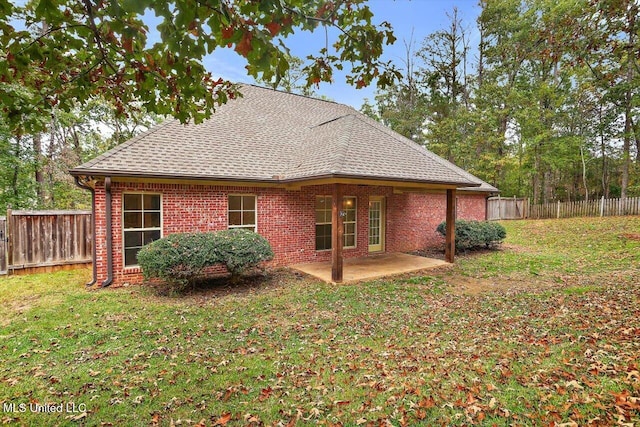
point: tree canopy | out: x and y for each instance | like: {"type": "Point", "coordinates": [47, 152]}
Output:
{"type": "Point", "coordinates": [545, 105]}
{"type": "Point", "coordinates": [56, 54]}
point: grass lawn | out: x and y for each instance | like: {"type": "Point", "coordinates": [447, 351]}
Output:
{"type": "Point", "coordinates": [545, 331]}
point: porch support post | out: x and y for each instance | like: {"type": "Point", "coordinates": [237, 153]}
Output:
{"type": "Point", "coordinates": [337, 234]}
{"type": "Point", "coordinates": [450, 245]}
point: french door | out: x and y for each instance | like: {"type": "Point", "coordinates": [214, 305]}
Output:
{"type": "Point", "coordinates": [376, 224]}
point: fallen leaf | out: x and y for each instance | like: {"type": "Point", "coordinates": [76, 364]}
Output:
{"type": "Point", "coordinates": [265, 393]}
{"type": "Point", "coordinates": [223, 420]}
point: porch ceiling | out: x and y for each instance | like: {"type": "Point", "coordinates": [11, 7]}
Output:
{"type": "Point", "coordinates": [371, 267]}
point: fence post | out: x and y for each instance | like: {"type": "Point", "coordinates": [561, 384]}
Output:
{"type": "Point", "coordinates": [499, 208]}
{"type": "Point", "coordinates": [602, 206]}
{"type": "Point", "coordinates": [558, 215]}
{"type": "Point", "coordinates": [9, 236]}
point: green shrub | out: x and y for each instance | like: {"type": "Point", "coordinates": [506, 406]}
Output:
{"type": "Point", "coordinates": [242, 249]}
{"type": "Point", "coordinates": [180, 259]}
{"type": "Point", "coordinates": [475, 234]}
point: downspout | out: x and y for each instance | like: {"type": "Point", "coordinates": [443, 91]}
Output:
{"type": "Point", "coordinates": [486, 207]}
{"type": "Point", "coordinates": [107, 189]}
{"type": "Point", "coordinates": [84, 186]}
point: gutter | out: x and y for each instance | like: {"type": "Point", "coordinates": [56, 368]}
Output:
{"type": "Point", "coordinates": [272, 181]}
{"type": "Point", "coordinates": [378, 178]}
{"type": "Point", "coordinates": [84, 186]}
{"type": "Point", "coordinates": [107, 188]}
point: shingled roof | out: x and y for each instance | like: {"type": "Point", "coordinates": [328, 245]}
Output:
{"type": "Point", "coordinates": [272, 136]}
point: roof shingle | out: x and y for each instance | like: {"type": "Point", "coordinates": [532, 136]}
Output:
{"type": "Point", "coordinates": [273, 136]}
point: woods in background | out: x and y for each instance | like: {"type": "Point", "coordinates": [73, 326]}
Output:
{"type": "Point", "coordinates": [538, 97]}
{"type": "Point", "coordinates": [34, 168]}
{"type": "Point", "coordinates": [58, 57]}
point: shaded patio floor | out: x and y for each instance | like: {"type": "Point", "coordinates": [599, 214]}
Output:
{"type": "Point", "coordinates": [371, 267]}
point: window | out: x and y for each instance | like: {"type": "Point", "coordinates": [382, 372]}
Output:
{"type": "Point", "coordinates": [141, 223]}
{"type": "Point", "coordinates": [242, 212]}
{"type": "Point", "coordinates": [323, 222]}
{"type": "Point", "coordinates": [349, 206]}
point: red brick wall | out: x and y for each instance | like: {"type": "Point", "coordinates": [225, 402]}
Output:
{"type": "Point", "coordinates": [286, 218]}
{"type": "Point", "coordinates": [413, 218]}
{"type": "Point", "coordinates": [471, 206]}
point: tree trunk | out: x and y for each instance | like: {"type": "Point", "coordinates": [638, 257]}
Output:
{"type": "Point", "coordinates": [636, 136]}
{"type": "Point", "coordinates": [51, 165]}
{"type": "Point", "coordinates": [481, 47]}
{"type": "Point", "coordinates": [16, 169]}
{"type": "Point", "coordinates": [603, 152]}
{"type": "Point", "coordinates": [37, 167]}
{"type": "Point", "coordinates": [548, 187]}
{"type": "Point", "coordinates": [626, 148]}
{"type": "Point", "coordinates": [584, 175]}
{"type": "Point", "coordinates": [536, 177]}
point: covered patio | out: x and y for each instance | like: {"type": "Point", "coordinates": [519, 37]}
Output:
{"type": "Point", "coordinates": [371, 267]}
{"type": "Point", "coordinates": [389, 266]}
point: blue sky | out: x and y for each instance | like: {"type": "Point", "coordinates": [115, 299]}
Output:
{"type": "Point", "coordinates": [407, 17]}
{"type": "Point", "coordinates": [420, 16]}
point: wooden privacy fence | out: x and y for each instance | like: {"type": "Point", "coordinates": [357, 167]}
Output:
{"type": "Point", "coordinates": [507, 208]}
{"type": "Point", "coordinates": [598, 207]}
{"type": "Point", "coordinates": [35, 239]}
{"type": "Point", "coordinates": [3, 243]}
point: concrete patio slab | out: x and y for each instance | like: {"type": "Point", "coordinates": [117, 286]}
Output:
{"type": "Point", "coordinates": [371, 267]}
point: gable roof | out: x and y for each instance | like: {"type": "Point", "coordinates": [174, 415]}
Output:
{"type": "Point", "coordinates": [272, 136]}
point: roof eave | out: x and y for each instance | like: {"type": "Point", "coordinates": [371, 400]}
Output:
{"type": "Point", "coordinates": [479, 190]}
{"type": "Point", "coordinates": [456, 184]}
{"type": "Point", "coordinates": [275, 180]}
{"type": "Point", "coordinates": [138, 175]}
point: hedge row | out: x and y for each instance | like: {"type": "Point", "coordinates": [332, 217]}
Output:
{"type": "Point", "coordinates": [181, 258]}
{"type": "Point", "coordinates": [475, 234]}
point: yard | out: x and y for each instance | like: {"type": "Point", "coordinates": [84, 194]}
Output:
{"type": "Point", "coordinates": [545, 331]}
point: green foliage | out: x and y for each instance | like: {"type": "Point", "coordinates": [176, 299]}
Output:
{"type": "Point", "coordinates": [17, 189]}
{"type": "Point", "coordinates": [113, 55]}
{"type": "Point", "coordinates": [242, 249]}
{"type": "Point", "coordinates": [403, 106]}
{"type": "Point", "coordinates": [180, 259]}
{"type": "Point", "coordinates": [539, 110]}
{"type": "Point", "coordinates": [293, 80]}
{"type": "Point", "coordinates": [69, 139]}
{"type": "Point", "coordinates": [475, 234]}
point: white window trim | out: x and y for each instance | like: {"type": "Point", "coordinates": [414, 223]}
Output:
{"type": "Point", "coordinates": [355, 223]}
{"type": "Point", "coordinates": [122, 211]}
{"type": "Point", "coordinates": [319, 223]}
{"type": "Point", "coordinates": [255, 196]}
{"type": "Point", "coordinates": [355, 237]}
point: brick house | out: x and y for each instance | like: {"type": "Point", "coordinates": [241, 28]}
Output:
{"type": "Point", "coordinates": [276, 163]}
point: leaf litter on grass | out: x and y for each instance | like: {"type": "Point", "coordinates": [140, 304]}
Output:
{"type": "Point", "coordinates": [557, 348]}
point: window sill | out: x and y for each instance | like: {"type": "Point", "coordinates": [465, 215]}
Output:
{"type": "Point", "coordinates": [343, 248]}
{"type": "Point", "coordinates": [132, 269]}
